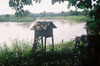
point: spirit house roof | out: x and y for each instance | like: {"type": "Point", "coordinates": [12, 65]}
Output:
{"type": "Point", "coordinates": [43, 25]}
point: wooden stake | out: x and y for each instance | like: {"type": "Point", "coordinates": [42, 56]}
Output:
{"type": "Point", "coordinates": [42, 42]}
{"type": "Point", "coordinates": [52, 43]}
{"type": "Point", "coordinates": [45, 45]}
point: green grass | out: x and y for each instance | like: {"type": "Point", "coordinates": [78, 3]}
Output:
{"type": "Point", "coordinates": [71, 18]}
{"type": "Point", "coordinates": [17, 19]}
{"type": "Point", "coordinates": [20, 54]}
{"type": "Point", "coordinates": [79, 18]}
{"type": "Point", "coordinates": [31, 19]}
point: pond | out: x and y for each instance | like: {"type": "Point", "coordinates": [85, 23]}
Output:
{"type": "Point", "coordinates": [66, 30]}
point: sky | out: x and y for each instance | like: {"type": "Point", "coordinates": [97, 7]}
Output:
{"type": "Point", "coordinates": [45, 5]}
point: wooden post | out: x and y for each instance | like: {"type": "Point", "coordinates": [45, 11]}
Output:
{"type": "Point", "coordinates": [36, 38]}
{"type": "Point", "coordinates": [42, 42]}
{"type": "Point", "coordinates": [45, 45]}
{"type": "Point", "coordinates": [34, 45]}
{"type": "Point", "coordinates": [52, 43]}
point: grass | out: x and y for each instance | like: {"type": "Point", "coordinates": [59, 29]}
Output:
{"type": "Point", "coordinates": [72, 18]}
{"type": "Point", "coordinates": [20, 54]}
{"type": "Point", "coordinates": [79, 18]}
{"type": "Point", "coordinates": [31, 19]}
{"type": "Point", "coordinates": [17, 19]}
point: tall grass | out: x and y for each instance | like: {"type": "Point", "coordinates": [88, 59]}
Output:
{"type": "Point", "coordinates": [31, 19]}
{"type": "Point", "coordinates": [20, 54]}
{"type": "Point", "coordinates": [79, 18]}
{"type": "Point", "coordinates": [17, 19]}
{"type": "Point", "coordinates": [16, 54]}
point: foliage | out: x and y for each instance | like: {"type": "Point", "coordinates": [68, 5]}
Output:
{"type": "Point", "coordinates": [30, 17]}
{"type": "Point", "coordinates": [26, 13]}
{"type": "Point", "coordinates": [93, 5]}
{"type": "Point", "coordinates": [18, 5]}
{"type": "Point", "coordinates": [95, 9]}
{"type": "Point", "coordinates": [20, 54]}
{"type": "Point", "coordinates": [77, 3]}
{"type": "Point", "coordinates": [82, 4]}
{"type": "Point", "coordinates": [16, 19]}
{"type": "Point", "coordinates": [70, 13]}
{"type": "Point", "coordinates": [93, 27]}
{"type": "Point", "coordinates": [17, 55]}
{"type": "Point", "coordinates": [85, 4]}
{"type": "Point", "coordinates": [78, 18]}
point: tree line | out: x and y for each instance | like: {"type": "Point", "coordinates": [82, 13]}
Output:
{"type": "Point", "coordinates": [49, 14]}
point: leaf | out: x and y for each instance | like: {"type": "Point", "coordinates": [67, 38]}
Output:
{"type": "Point", "coordinates": [69, 5]}
{"type": "Point", "coordinates": [82, 7]}
{"type": "Point", "coordinates": [74, 3]}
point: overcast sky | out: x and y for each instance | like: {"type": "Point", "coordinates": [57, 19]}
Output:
{"type": "Point", "coordinates": [45, 5]}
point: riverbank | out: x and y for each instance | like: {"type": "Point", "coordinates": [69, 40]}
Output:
{"type": "Point", "coordinates": [31, 19]}
{"type": "Point", "coordinates": [71, 18]}
{"type": "Point", "coordinates": [17, 19]}
{"type": "Point", "coordinates": [21, 55]}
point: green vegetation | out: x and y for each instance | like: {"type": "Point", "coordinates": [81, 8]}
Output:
{"type": "Point", "coordinates": [20, 54]}
{"type": "Point", "coordinates": [17, 19]}
{"type": "Point", "coordinates": [79, 18]}
{"type": "Point", "coordinates": [29, 17]}
{"type": "Point", "coordinates": [69, 13]}
{"type": "Point", "coordinates": [72, 18]}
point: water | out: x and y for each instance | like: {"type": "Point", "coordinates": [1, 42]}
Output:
{"type": "Point", "coordinates": [66, 30]}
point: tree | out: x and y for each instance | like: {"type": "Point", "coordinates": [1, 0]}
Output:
{"type": "Point", "coordinates": [7, 15]}
{"type": "Point", "coordinates": [85, 4]}
{"type": "Point", "coordinates": [79, 4]}
{"type": "Point", "coordinates": [93, 6]}
{"type": "Point", "coordinates": [18, 5]}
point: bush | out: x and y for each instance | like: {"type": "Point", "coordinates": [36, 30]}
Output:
{"type": "Point", "coordinates": [20, 54]}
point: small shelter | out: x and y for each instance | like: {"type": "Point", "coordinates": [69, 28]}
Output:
{"type": "Point", "coordinates": [43, 29]}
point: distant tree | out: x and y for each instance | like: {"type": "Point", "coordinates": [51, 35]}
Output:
{"type": "Point", "coordinates": [7, 15]}
{"type": "Point", "coordinates": [81, 4]}
{"type": "Point", "coordinates": [18, 5]}
{"type": "Point", "coordinates": [85, 12]}
{"type": "Point", "coordinates": [26, 13]}
{"type": "Point", "coordinates": [93, 5]}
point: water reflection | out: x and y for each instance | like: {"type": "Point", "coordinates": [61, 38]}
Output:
{"type": "Point", "coordinates": [25, 24]}
{"type": "Point", "coordinates": [65, 31]}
